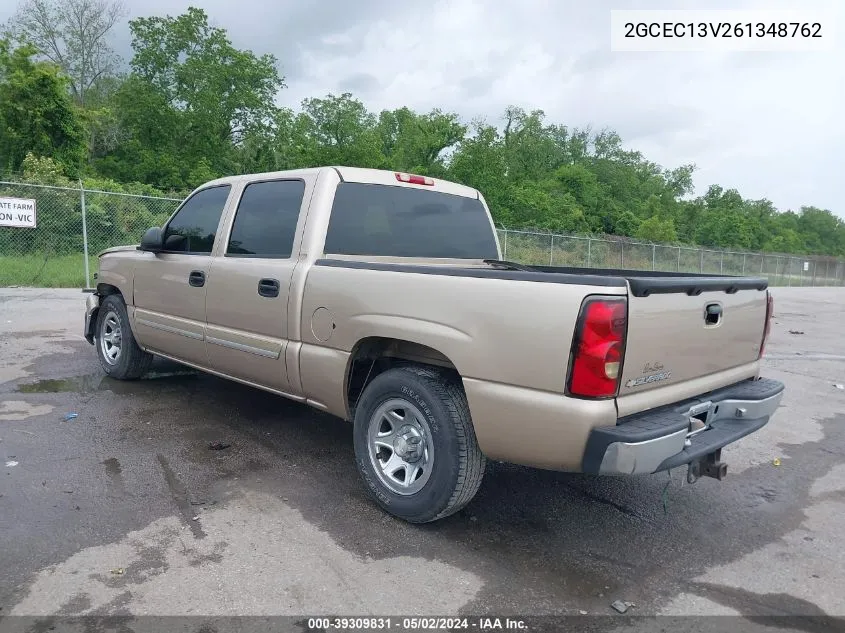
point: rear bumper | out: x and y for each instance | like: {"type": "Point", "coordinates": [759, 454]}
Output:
{"type": "Point", "coordinates": [682, 433]}
{"type": "Point", "coordinates": [92, 305]}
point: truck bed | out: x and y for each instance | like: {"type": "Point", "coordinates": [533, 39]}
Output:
{"type": "Point", "coordinates": [642, 283]}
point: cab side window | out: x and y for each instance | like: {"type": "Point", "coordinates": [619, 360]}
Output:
{"type": "Point", "coordinates": [194, 227]}
{"type": "Point", "coordinates": [266, 219]}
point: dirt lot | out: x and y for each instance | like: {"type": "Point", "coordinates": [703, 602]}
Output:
{"type": "Point", "coordinates": [124, 509]}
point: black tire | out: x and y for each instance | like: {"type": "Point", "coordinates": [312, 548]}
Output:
{"type": "Point", "coordinates": [457, 466]}
{"type": "Point", "coordinates": [131, 362]}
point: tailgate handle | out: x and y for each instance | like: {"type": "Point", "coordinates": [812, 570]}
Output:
{"type": "Point", "coordinates": [712, 314]}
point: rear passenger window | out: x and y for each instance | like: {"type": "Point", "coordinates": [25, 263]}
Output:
{"type": "Point", "coordinates": [383, 220]}
{"type": "Point", "coordinates": [265, 222]}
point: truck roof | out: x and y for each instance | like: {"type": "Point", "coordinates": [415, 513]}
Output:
{"type": "Point", "coordinates": [359, 175]}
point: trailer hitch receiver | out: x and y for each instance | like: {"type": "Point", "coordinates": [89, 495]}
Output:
{"type": "Point", "coordinates": [710, 466]}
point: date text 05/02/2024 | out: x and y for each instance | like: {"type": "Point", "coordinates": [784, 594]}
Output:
{"type": "Point", "coordinates": [415, 624]}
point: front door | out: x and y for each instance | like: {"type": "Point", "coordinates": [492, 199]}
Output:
{"type": "Point", "coordinates": [170, 287]}
{"type": "Point", "coordinates": [247, 302]}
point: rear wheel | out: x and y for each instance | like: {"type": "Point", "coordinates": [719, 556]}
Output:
{"type": "Point", "coordinates": [119, 354]}
{"type": "Point", "coordinates": [415, 446]}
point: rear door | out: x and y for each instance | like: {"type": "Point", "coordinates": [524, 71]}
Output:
{"type": "Point", "coordinates": [170, 287]}
{"type": "Point", "coordinates": [248, 290]}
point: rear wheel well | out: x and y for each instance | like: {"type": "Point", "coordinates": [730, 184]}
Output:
{"type": "Point", "coordinates": [375, 355]}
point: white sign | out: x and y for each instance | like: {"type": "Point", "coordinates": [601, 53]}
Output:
{"type": "Point", "coordinates": [806, 265]}
{"type": "Point", "coordinates": [17, 212]}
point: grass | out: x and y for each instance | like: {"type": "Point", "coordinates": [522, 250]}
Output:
{"type": "Point", "coordinates": [59, 271]}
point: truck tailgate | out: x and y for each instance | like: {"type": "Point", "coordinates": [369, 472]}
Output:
{"type": "Point", "coordinates": [676, 337]}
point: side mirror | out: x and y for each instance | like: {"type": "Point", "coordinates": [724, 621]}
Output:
{"type": "Point", "coordinates": [152, 240]}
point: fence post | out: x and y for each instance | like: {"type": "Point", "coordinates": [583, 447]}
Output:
{"type": "Point", "coordinates": [505, 251]}
{"type": "Point", "coordinates": [743, 263]}
{"type": "Point", "coordinates": [701, 262]}
{"type": "Point", "coordinates": [722, 263]}
{"type": "Point", "coordinates": [551, 249]}
{"type": "Point", "coordinates": [84, 234]}
{"type": "Point", "coordinates": [827, 272]}
{"type": "Point", "coordinates": [653, 256]}
{"type": "Point", "coordinates": [789, 271]}
{"type": "Point", "coordinates": [813, 283]}
{"type": "Point", "coordinates": [589, 244]}
{"type": "Point", "coordinates": [679, 259]}
{"type": "Point", "coordinates": [622, 255]}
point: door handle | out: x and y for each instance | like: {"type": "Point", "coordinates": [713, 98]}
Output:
{"type": "Point", "coordinates": [268, 287]}
{"type": "Point", "coordinates": [197, 278]}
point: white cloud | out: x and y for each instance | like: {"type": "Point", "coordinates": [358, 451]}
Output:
{"type": "Point", "coordinates": [767, 124]}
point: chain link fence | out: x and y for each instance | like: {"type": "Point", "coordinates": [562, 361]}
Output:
{"type": "Point", "coordinates": [548, 249]}
{"type": "Point", "coordinates": [74, 224]}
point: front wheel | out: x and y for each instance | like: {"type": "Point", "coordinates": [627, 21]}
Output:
{"type": "Point", "coordinates": [415, 447]}
{"type": "Point", "coordinates": [119, 354]}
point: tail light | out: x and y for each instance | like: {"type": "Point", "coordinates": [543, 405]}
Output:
{"type": "Point", "coordinates": [598, 348]}
{"type": "Point", "coordinates": [770, 311]}
{"type": "Point", "coordinates": [413, 179]}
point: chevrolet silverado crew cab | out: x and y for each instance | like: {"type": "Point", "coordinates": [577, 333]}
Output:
{"type": "Point", "coordinates": [382, 298]}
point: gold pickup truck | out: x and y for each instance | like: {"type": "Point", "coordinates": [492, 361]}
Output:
{"type": "Point", "coordinates": [382, 298]}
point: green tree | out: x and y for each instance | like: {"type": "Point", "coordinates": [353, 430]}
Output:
{"type": "Point", "coordinates": [416, 142]}
{"type": "Point", "coordinates": [73, 34]}
{"type": "Point", "coordinates": [36, 112]}
{"type": "Point", "coordinates": [341, 131]}
{"type": "Point", "coordinates": [786, 241]}
{"type": "Point", "coordinates": [655, 229]}
{"type": "Point", "coordinates": [529, 147]}
{"type": "Point", "coordinates": [626, 224]}
{"type": "Point", "coordinates": [191, 96]}
{"type": "Point", "coordinates": [479, 162]}
{"type": "Point", "coordinates": [824, 230]}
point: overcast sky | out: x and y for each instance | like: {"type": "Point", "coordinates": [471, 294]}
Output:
{"type": "Point", "coordinates": [770, 125]}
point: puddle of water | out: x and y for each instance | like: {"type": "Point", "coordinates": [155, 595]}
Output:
{"type": "Point", "coordinates": [61, 385]}
{"type": "Point", "coordinates": [99, 382]}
